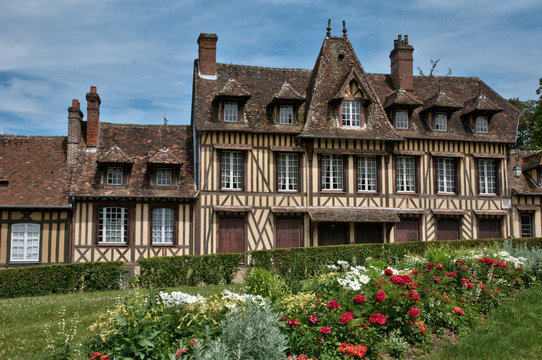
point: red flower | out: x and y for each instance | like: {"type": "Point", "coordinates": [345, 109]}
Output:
{"type": "Point", "coordinates": [414, 296]}
{"type": "Point", "coordinates": [284, 318]}
{"type": "Point", "coordinates": [378, 318]}
{"type": "Point", "coordinates": [313, 319]}
{"type": "Point", "coordinates": [380, 296]}
{"type": "Point", "coordinates": [458, 310]}
{"type": "Point", "coordinates": [359, 299]}
{"type": "Point", "coordinates": [437, 279]}
{"type": "Point", "coordinates": [192, 342]}
{"type": "Point", "coordinates": [292, 322]}
{"type": "Point", "coordinates": [414, 312]}
{"type": "Point", "coordinates": [333, 304]}
{"type": "Point", "coordinates": [347, 316]}
{"type": "Point", "coordinates": [440, 267]}
{"type": "Point", "coordinates": [352, 350]}
{"type": "Point", "coordinates": [414, 272]}
{"type": "Point", "coordinates": [104, 357]}
{"type": "Point", "coordinates": [94, 356]}
{"type": "Point", "coordinates": [464, 281]}
{"type": "Point", "coordinates": [401, 279]}
{"type": "Point", "coordinates": [430, 265]}
{"type": "Point", "coordinates": [388, 272]}
{"type": "Point", "coordinates": [325, 330]}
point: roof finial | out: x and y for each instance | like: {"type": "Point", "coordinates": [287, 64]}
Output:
{"type": "Point", "coordinates": [439, 85]}
{"type": "Point", "coordinates": [165, 120]}
{"type": "Point", "coordinates": [344, 30]}
{"type": "Point", "coordinates": [328, 33]}
{"type": "Point", "coordinates": [480, 89]}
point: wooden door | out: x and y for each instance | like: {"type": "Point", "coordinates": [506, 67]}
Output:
{"type": "Point", "coordinates": [368, 233]}
{"type": "Point", "coordinates": [407, 230]}
{"type": "Point", "coordinates": [231, 234]}
{"type": "Point", "coordinates": [447, 229]}
{"type": "Point", "coordinates": [489, 229]}
{"type": "Point", "coordinates": [288, 232]}
{"type": "Point", "coordinates": [332, 233]}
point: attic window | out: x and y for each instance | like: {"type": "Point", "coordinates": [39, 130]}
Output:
{"type": "Point", "coordinates": [350, 113]}
{"type": "Point", "coordinates": [341, 57]}
{"type": "Point", "coordinates": [401, 119]}
{"type": "Point", "coordinates": [114, 175]}
{"type": "Point", "coordinates": [481, 124]}
{"type": "Point", "coordinates": [230, 112]}
{"type": "Point", "coordinates": [441, 122]}
{"type": "Point", "coordinates": [286, 114]}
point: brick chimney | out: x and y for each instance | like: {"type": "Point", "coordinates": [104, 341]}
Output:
{"type": "Point", "coordinates": [93, 117]}
{"type": "Point", "coordinates": [75, 117]}
{"type": "Point", "coordinates": [207, 54]}
{"type": "Point", "coordinates": [401, 64]}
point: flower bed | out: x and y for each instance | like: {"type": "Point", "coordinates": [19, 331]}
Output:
{"type": "Point", "coordinates": [348, 311]}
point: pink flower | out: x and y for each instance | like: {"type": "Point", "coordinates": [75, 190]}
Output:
{"type": "Point", "coordinates": [359, 299]}
{"type": "Point", "coordinates": [388, 272]}
{"type": "Point", "coordinates": [325, 330]}
{"type": "Point", "coordinates": [347, 316]}
{"type": "Point", "coordinates": [458, 310]}
{"type": "Point", "coordinates": [333, 304]}
{"type": "Point", "coordinates": [380, 296]}
{"type": "Point", "coordinates": [378, 318]}
{"type": "Point", "coordinates": [313, 319]}
{"type": "Point", "coordinates": [292, 322]}
{"type": "Point", "coordinates": [414, 312]}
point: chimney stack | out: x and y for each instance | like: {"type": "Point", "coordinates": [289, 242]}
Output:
{"type": "Point", "coordinates": [401, 64]}
{"type": "Point", "coordinates": [93, 117]}
{"type": "Point", "coordinates": [75, 116]}
{"type": "Point", "coordinates": [207, 54]}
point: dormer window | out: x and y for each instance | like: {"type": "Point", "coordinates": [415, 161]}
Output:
{"type": "Point", "coordinates": [401, 119]}
{"type": "Point", "coordinates": [114, 175]}
{"type": "Point", "coordinates": [351, 113]}
{"type": "Point", "coordinates": [481, 124]}
{"type": "Point", "coordinates": [230, 112]}
{"type": "Point", "coordinates": [441, 122]}
{"type": "Point", "coordinates": [286, 114]}
{"type": "Point", "coordinates": [163, 177]}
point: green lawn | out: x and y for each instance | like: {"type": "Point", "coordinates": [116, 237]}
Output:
{"type": "Point", "coordinates": [512, 331]}
{"type": "Point", "coordinates": [31, 328]}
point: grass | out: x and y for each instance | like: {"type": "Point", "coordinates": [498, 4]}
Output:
{"type": "Point", "coordinates": [512, 331]}
{"type": "Point", "coordinates": [35, 328]}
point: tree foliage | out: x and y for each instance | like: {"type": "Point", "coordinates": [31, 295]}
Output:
{"type": "Point", "coordinates": [433, 69]}
{"type": "Point", "coordinates": [529, 133]}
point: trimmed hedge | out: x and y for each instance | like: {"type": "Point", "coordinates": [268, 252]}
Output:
{"type": "Point", "coordinates": [61, 278]}
{"type": "Point", "coordinates": [189, 270]}
{"type": "Point", "coordinates": [299, 263]}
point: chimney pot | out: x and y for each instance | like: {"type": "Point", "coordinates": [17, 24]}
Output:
{"type": "Point", "coordinates": [207, 54]}
{"type": "Point", "coordinates": [93, 89]}
{"type": "Point", "coordinates": [406, 39]}
{"type": "Point", "coordinates": [75, 103]}
{"type": "Point", "coordinates": [401, 64]}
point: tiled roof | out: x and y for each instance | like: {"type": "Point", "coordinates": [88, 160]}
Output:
{"type": "Point", "coordinates": [139, 143]}
{"type": "Point", "coordinates": [401, 98]}
{"type": "Point", "coordinates": [34, 168]}
{"type": "Point", "coordinates": [114, 155]}
{"type": "Point", "coordinates": [527, 160]}
{"type": "Point", "coordinates": [327, 214]}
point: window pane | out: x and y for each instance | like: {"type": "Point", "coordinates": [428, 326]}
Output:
{"type": "Point", "coordinates": [232, 170]}
{"type": "Point", "coordinates": [441, 122]}
{"type": "Point", "coordinates": [25, 242]}
{"type": "Point", "coordinates": [487, 176]}
{"type": "Point", "coordinates": [114, 176]}
{"type": "Point", "coordinates": [163, 225]}
{"type": "Point", "coordinates": [401, 119]}
{"type": "Point", "coordinates": [287, 172]}
{"type": "Point", "coordinates": [351, 113]}
{"type": "Point", "coordinates": [286, 114]}
{"type": "Point", "coordinates": [405, 174]}
{"type": "Point", "coordinates": [481, 124]}
{"type": "Point", "coordinates": [230, 112]}
{"type": "Point", "coordinates": [367, 173]}
{"type": "Point", "coordinates": [526, 226]}
{"type": "Point", "coordinates": [445, 175]}
{"type": "Point", "coordinates": [332, 172]}
{"type": "Point", "coordinates": [163, 177]}
{"type": "Point", "coordinates": [113, 225]}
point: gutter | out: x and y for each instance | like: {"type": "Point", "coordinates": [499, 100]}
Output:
{"type": "Point", "coordinates": [195, 196]}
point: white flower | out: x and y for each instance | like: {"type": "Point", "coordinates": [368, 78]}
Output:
{"type": "Point", "coordinates": [177, 298]}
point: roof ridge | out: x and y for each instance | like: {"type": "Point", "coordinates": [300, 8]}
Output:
{"type": "Point", "coordinates": [265, 67]}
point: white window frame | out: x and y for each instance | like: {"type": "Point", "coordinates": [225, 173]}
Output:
{"type": "Point", "coordinates": [405, 169]}
{"type": "Point", "coordinates": [288, 171]}
{"type": "Point", "coordinates": [487, 176]}
{"type": "Point", "coordinates": [367, 173]}
{"type": "Point", "coordinates": [114, 176]}
{"type": "Point", "coordinates": [231, 112]}
{"type": "Point", "coordinates": [286, 114]}
{"type": "Point", "coordinates": [482, 125]}
{"type": "Point", "coordinates": [401, 122]}
{"type": "Point", "coordinates": [446, 175]}
{"type": "Point", "coordinates": [232, 170]}
{"type": "Point", "coordinates": [441, 122]}
{"type": "Point", "coordinates": [351, 114]}
{"type": "Point", "coordinates": [25, 236]}
{"type": "Point", "coordinates": [163, 226]}
{"type": "Point", "coordinates": [164, 176]}
{"type": "Point", "coordinates": [332, 172]}
{"type": "Point", "coordinates": [108, 232]}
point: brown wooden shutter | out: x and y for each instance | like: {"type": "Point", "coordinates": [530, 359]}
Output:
{"type": "Point", "coordinates": [332, 233]}
{"type": "Point", "coordinates": [231, 234]}
{"type": "Point", "coordinates": [407, 230]}
{"type": "Point", "coordinates": [368, 233]}
{"type": "Point", "coordinates": [288, 232]}
{"type": "Point", "coordinates": [489, 229]}
{"type": "Point", "coordinates": [447, 229]}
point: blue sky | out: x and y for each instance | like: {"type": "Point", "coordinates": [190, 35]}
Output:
{"type": "Point", "coordinates": [140, 54]}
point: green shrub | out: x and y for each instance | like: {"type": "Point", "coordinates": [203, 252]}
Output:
{"type": "Point", "coordinates": [262, 282]}
{"type": "Point", "coordinates": [61, 278]}
{"type": "Point", "coordinates": [440, 255]}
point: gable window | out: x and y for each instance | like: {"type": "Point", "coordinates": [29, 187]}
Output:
{"type": "Point", "coordinates": [163, 177]}
{"type": "Point", "coordinates": [286, 114]}
{"type": "Point", "coordinates": [401, 119]}
{"type": "Point", "coordinates": [163, 226]}
{"type": "Point", "coordinates": [487, 176]}
{"type": "Point", "coordinates": [332, 172]}
{"type": "Point", "coordinates": [441, 122]}
{"type": "Point", "coordinates": [113, 225]}
{"type": "Point", "coordinates": [232, 170]}
{"type": "Point", "coordinates": [114, 175]}
{"type": "Point", "coordinates": [405, 174]}
{"type": "Point", "coordinates": [526, 225]}
{"type": "Point", "coordinates": [445, 176]}
{"type": "Point", "coordinates": [288, 171]}
{"type": "Point", "coordinates": [367, 173]}
{"type": "Point", "coordinates": [350, 113]}
{"type": "Point", "coordinates": [25, 242]}
{"type": "Point", "coordinates": [230, 112]}
{"type": "Point", "coordinates": [481, 124]}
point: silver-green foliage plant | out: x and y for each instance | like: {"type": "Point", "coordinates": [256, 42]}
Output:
{"type": "Point", "coordinates": [531, 257]}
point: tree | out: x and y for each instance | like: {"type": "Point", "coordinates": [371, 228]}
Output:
{"type": "Point", "coordinates": [433, 69]}
{"type": "Point", "coordinates": [529, 134]}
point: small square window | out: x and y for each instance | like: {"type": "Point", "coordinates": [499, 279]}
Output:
{"type": "Point", "coordinates": [230, 112]}
{"type": "Point", "coordinates": [441, 122]}
{"type": "Point", "coordinates": [286, 114]}
{"type": "Point", "coordinates": [163, 177]}
{"type": "Point", "coordinates": [481, 124]}
{"type": "Point", "coordinates": [114, 175]}
{"type": "Point", "coordinates": [401, 119]}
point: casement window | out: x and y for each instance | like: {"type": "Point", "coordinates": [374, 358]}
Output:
{"type": "Point", "coordinates": [114, 175]}
{"type": "Point", "coordinates": [286, 114]}
{"type": "Point", "coordinates": [487, 176]}
{"type": "Point", "coordinates": [163, 226]}
{"type": "Point", "coordinates": [367, 173]}
{"type": "Point", "coordinates": [526, 225]}
{"type": "Point", "coordinates": [405, 174]}
{"type": "Point", "coordinates": [446, 175]}
{"type": "Point", "coordinates": [25, 242]}
{"type": "Point", "coordinates": [401, 119]}
{"type": "Point", "coordinates": [230, 112]}
{"type": "Point", "coordinates": [332, 172]}
{"type": "Point", "coordinates": [232, 170]}
{"type": "Point", "coordinates": [481, 124]}
{"type": "Point", "coordinates": [350, 113]}
{"type": "Point", "coordinates": [113, 225]}
{"type": "Point", "coordinates": [163, 177]}
{"type": "Point", "coordinates": [441, 122]}
{"type": "Point", "coordinates": [288, 171]}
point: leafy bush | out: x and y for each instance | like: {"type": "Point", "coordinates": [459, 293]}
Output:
{"type": "Point", "coordinates": [532, 256]}
{"type": "Point", "coordinates": [262, 282]}
{"type": "Point", "coordinates": [62, 278]}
